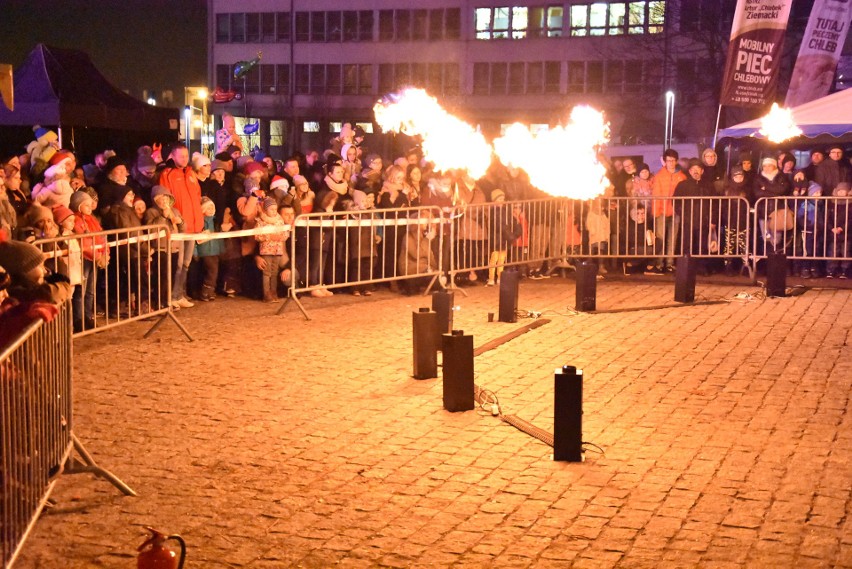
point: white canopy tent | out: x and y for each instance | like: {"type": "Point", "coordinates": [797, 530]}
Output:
{"type": "Point", "coordinates": [821, 120]}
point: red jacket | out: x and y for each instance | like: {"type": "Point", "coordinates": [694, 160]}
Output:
{"type": "Point", "coordinates": [93, 247]}
{"type": "Point", "coordinates": [184, 186]}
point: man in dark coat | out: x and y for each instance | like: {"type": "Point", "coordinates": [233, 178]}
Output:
{"type": "Point", "coordinates": [695, 214]}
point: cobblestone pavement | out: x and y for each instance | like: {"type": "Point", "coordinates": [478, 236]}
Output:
{"type": "Point", "coordinates": [272, 441]}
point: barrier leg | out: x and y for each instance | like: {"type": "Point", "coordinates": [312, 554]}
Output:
{"type": "Point", "coordinates": [90, 466]}
{"type": "Point", "coordinates": [295, 299]}
{"type": "Point", "coordinates": [428, 289]}
{"type": "Point", "coordinates": [177, 322]}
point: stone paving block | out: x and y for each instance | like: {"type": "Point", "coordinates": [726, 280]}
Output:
{"type": "Point", "coordinates": [364, 468]}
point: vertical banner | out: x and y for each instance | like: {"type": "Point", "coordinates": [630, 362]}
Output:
{"type": "Point", "coordinates": [820, 51]}
{"type": "Point", "coordinates": [754, 54]}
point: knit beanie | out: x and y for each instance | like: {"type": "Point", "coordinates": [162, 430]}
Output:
{"type": "Point", "coordinates": [145, 161]}
{"type": "Point", "coordinates": [241, 162]}
{"type": "Point", "coordinates": [250, 184]}
{"type": "Point", "coordinates": [159, 190]}
{"type": "Point", "coordinates": [253, 167]}
{"type": "Point", "coordinates": [92, 193]}
{"type": "Point", "coordinates": [19, 257]}
{"type": "Point", "coordinates": [814, 189]}
{"type": "Point", "coordinates": [44, 135]}
{"type": "Point", "coordinates": [112, 163]}
{"type": "Point", "coordinates": [199, 160]}
{"type": "Point", "coordinates": [217, 165]}
{"type": "Point", "coordinates": [79, 198]}
{"type": "Point", "coordinates": [497, 193]}
{"type": "Point", "coordinates": [61, 213]}
{"type": "Point", "coordinates": [299, 180]}
{"type": "Point", "coordinates": [268, 203]}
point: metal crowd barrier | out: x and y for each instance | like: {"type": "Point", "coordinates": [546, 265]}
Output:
{"type": "Point", "coordinates": [119, 276]}
{"type": "Point", "coordinates": [527, 234]}
{"type": "Point", "coordinates": [357, 249]}
{"type": "Point", "coordinates": [36, 428]}
{"type": "Point", "coordinates": [330, 251]}
{"type": "Point", "coordinates": [805, 229]}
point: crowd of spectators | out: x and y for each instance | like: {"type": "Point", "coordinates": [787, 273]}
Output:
{"type": "Point", "coordinates": [46, 193]}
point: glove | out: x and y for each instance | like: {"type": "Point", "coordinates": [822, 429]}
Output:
{"type": "Point", "coordinates": [54, 278]}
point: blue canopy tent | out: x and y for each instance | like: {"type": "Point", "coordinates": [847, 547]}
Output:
{"type": "Point", "coordinates": [63, 88]}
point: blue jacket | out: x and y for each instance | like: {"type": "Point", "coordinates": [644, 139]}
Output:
{"type": "Point", "coordinates": [214, 247]}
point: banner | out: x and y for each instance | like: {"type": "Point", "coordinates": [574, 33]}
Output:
{"type": "Point", "coordinates": [820, 51]}
{"type": "Point", "coordinates": [754, 54]}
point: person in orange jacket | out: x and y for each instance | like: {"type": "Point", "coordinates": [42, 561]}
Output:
{"type": "Point", "coordinates": [180, 179]}
{"type": "Point", "coordinates": [665, 220]}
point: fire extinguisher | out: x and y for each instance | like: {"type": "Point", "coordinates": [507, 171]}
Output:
{"type": "Point", "coordinates": [158, 555]}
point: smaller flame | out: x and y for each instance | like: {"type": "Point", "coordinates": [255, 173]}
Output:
{"type": "Point", "coordinates": [779, 125]}
{"type": "Point", "coordinates": [447, 141]}
{"type": "Point", "coordinates": [561, 161]}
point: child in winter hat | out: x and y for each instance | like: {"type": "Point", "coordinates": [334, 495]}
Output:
{"type": "Point", "coordinates": [29, 281]}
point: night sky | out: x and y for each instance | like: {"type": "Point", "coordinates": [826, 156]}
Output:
{"type": "Point", "coordinates": [136, 44]}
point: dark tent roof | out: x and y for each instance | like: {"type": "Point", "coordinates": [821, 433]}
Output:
{"type": "Point", "coordinates": [56, 86]}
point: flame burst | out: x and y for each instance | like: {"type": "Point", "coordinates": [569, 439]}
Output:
{"type": "Point", "coordinates": [561, 161]}
{"type": "Point", "coordinates": [447, 141]}
{"type": "Point", "coordinates": [778, 125]}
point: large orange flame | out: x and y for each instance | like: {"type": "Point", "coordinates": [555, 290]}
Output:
{"type": "Point", "coordinates": [447, 141]}
{"type": "Point", "coordinates": [561, 161]}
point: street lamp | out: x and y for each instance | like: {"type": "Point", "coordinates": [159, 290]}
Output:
{"type": "Point", "coordinates": [669, 128]}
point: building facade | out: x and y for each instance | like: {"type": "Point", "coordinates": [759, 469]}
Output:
{"type": "Point", "coordinates": [490, 62]}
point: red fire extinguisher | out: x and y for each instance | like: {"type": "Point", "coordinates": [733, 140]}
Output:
{"type": "Point", "coordinates": [158, 555]}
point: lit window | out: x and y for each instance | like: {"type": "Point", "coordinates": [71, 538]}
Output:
{"type": "Point", "coordinates": [636, 20]}
{"type": "Point", "coordinates": [519, 22]}
{"type": "Point", "coordinates": [579, 20]}
{"type": "Point", "coordinates": [597, 19]}
{"type": "Point", "coordinates": [483, 23]}
{"type": "Point", "coordinates": [656, 16]}
{"type": "Point", "coordinates": [544, 22]}
{"type": "Point", "coordinates": [276, 133]}
{"type": "Point", "coordinates": [618, 18]}
{"type": "Point", "coordinates": [506, 22]}
{"type": "Point", "coordinates": [500, 28]}
{"type": "Point", "coordinates": [310, 126]}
